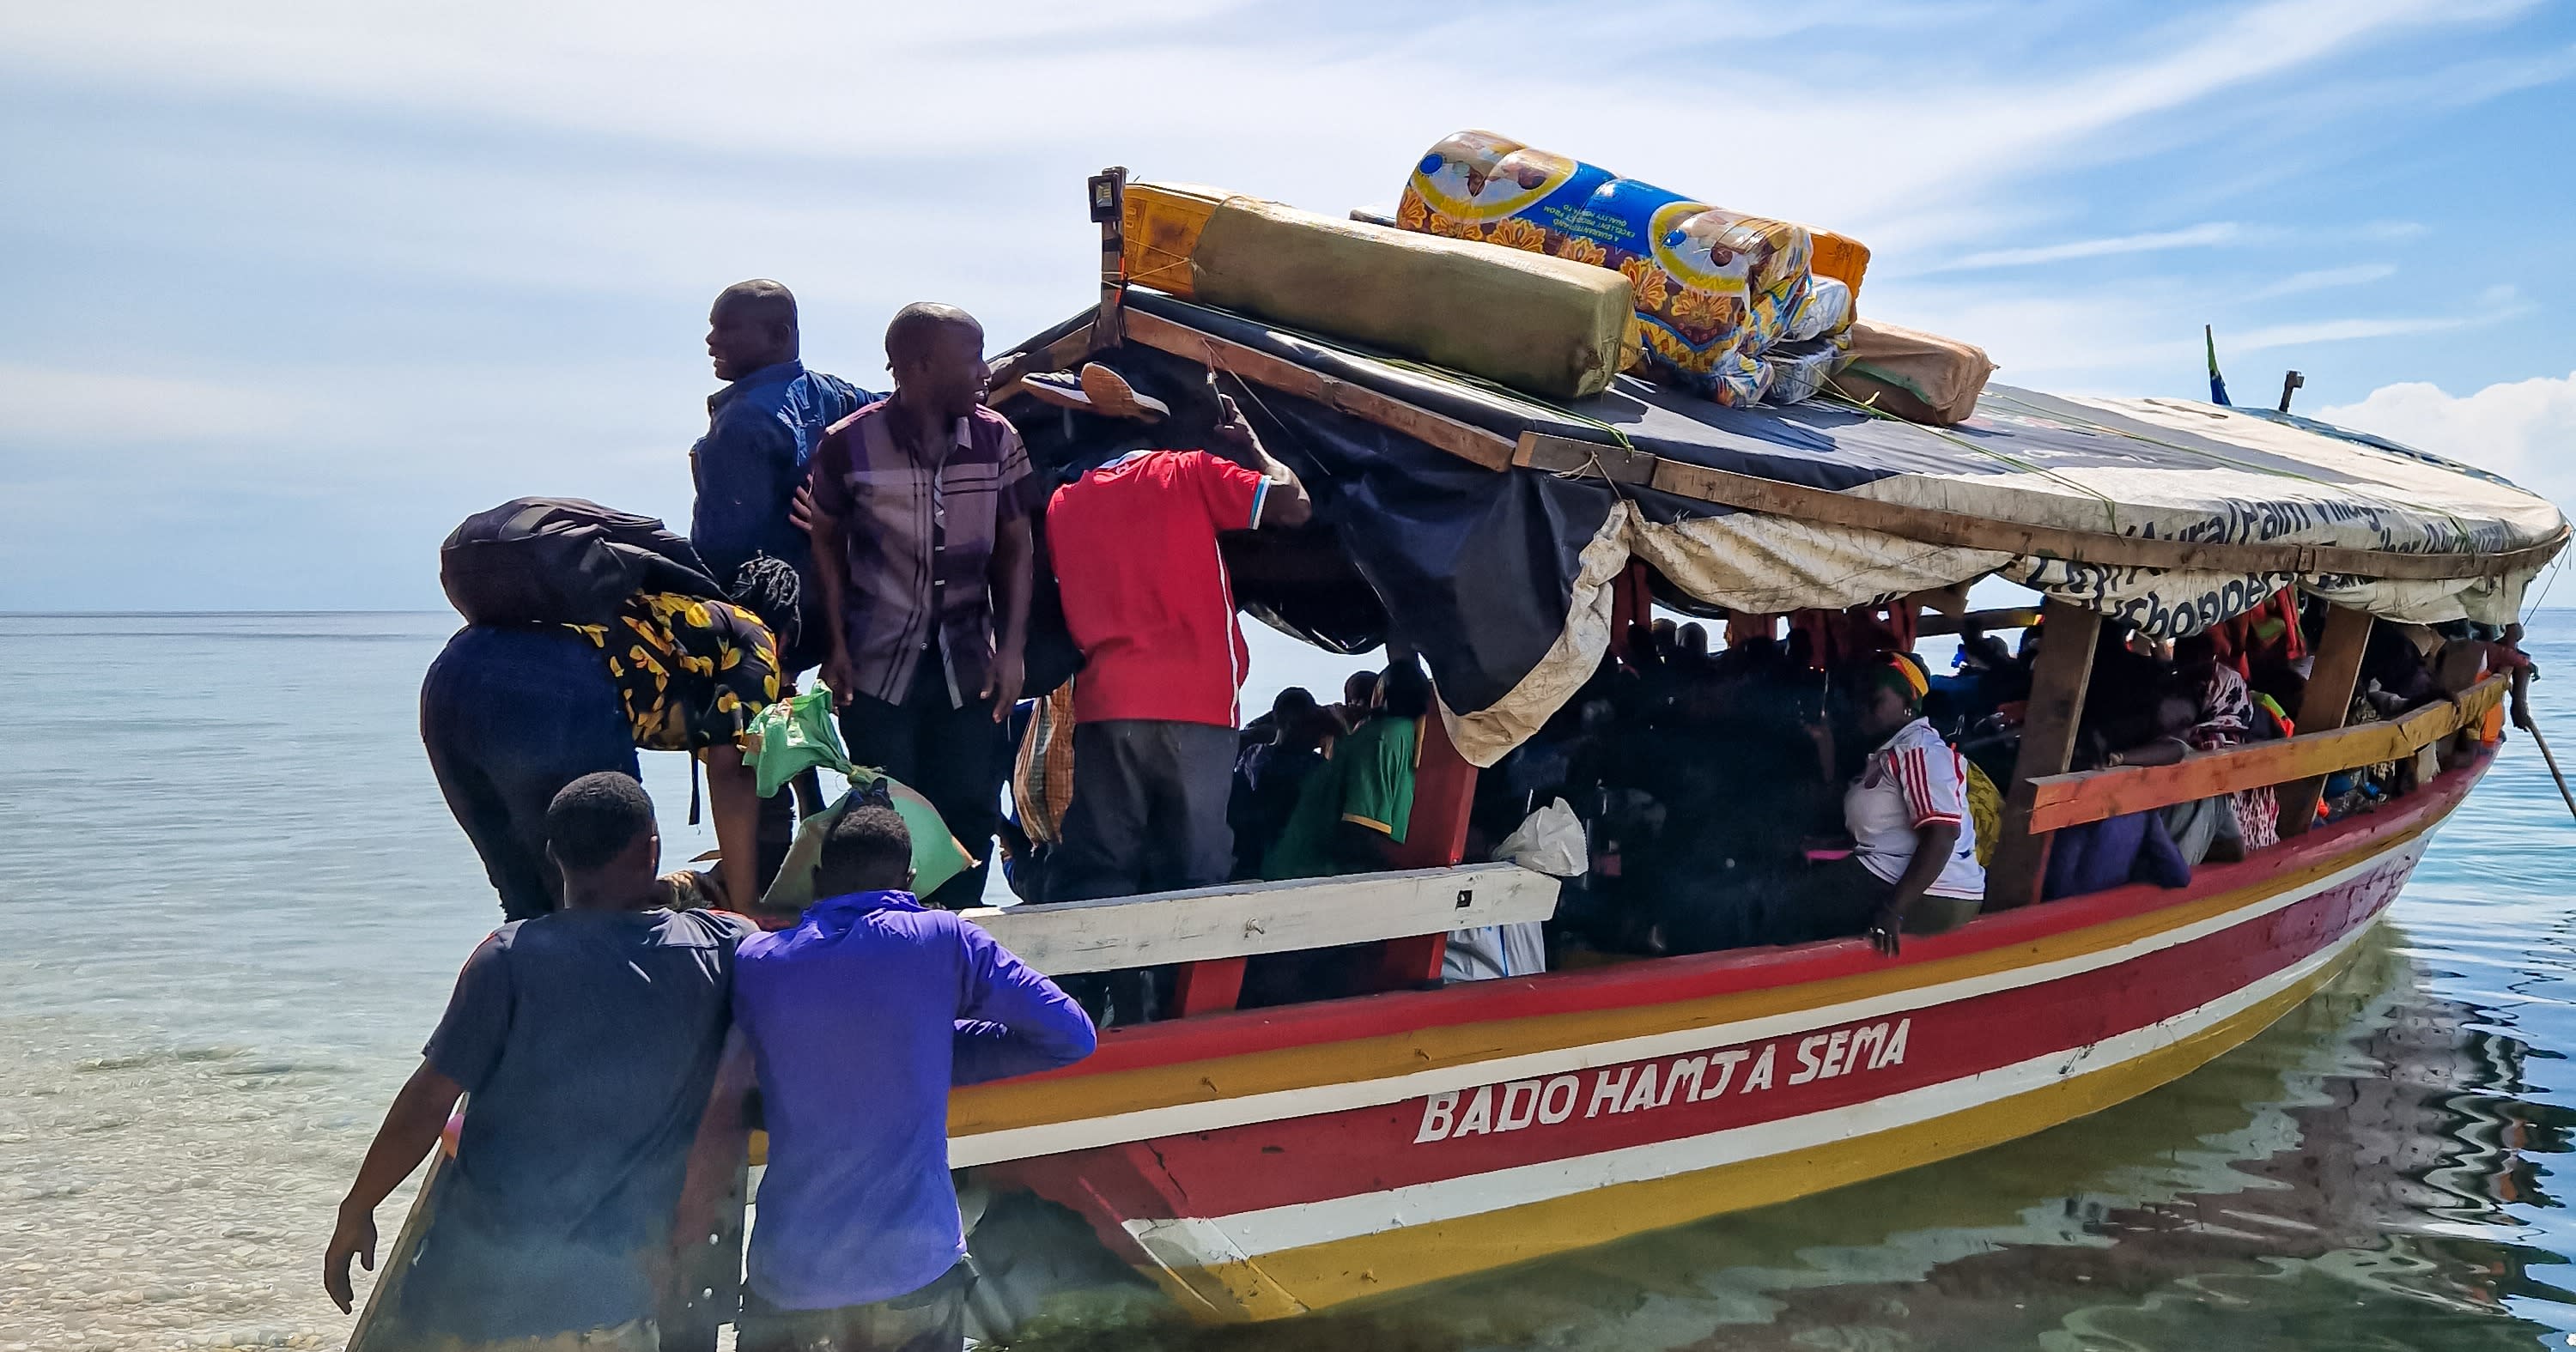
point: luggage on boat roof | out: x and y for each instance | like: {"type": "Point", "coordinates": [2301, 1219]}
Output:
{"type": "Point", "coordinates": [1490, 524]}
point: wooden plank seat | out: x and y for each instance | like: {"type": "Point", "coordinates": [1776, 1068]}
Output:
{"type": "Point", "coordinates": [1209, 931]}
{"type": "Point", "coordinates": [1241, 920]}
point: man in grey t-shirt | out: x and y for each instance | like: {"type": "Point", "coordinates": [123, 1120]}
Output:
{"type": "Point", "coordinates": [588, 1040]}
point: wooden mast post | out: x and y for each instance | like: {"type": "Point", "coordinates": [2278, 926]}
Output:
{"type": "Point", "coordinates": [2058, 680]}
{"type": "Point", "coordinates": [1109, 211]}
{"type": "Point", "coordinates": [2326, 704]}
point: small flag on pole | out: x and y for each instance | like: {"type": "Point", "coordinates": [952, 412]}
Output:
{"type": "Point", "coordinates": [2217, 382]}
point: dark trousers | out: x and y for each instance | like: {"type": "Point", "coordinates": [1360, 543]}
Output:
{"type": "Point", "coordinates": [1148, 810]}
{"type": "Point", "coordinates": [510, 716]}
{"type": "Point", "coordinates": [1148, 815]}
{"type": "Point", "coordinates": [932, 1319]}
{"type": "Point", "coordinates": [954, 757]}
{"type": "Point", "coordinates": [1842, 898]}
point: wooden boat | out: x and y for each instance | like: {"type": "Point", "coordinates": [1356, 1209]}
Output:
{"type": "Point", "coordinates": [1265, 1163]}
{"type": "Point", "coordinates": [1259, 1164]}
{"type": "Point", "coordinates": [1262, 1164]}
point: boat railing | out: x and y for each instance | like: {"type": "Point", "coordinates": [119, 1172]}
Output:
{"type": "Point", "coordinates": [1210, 931]}
{"type": "Point", "coordinates": [2060, 801]}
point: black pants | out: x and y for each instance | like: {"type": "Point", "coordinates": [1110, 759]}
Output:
{"type": "Point", "coordinates": [1148, 810]}
{"type": "Point", "coordinates": [1148, 815]}
{"type": "Point", "coordinates": [954, 756]}
{"type": "Point", "coordinates": [1843, 898]}
{"type": "Point", "coordinates": [510, 716]}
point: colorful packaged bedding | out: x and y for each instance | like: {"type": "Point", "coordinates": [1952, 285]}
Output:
{"type": "Point", "coordinates": [1716, 290]}
{"type": "Point", "coordinates": [1921, 377]}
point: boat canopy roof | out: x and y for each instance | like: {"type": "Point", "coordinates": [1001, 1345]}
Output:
{"type": "Point", "coordinates": [1491, 524]}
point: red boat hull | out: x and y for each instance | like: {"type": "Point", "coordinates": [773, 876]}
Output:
{"type": "Point", "coordinates": [1266, 1163]}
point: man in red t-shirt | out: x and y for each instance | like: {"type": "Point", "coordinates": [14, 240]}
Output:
{"type": "Point", "coordinates": [1146, 597]}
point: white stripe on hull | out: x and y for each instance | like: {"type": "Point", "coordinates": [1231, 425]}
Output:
{"type": "Point", "coordinates": [1180, 1119]}
{"type": "Point", "coordinates": [1204, 1241]}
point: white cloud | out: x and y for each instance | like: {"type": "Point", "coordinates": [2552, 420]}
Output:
{"type": "Point", "coordinates": [2323, 279]}
{"type": "Point", "coordinates": [1309, 110]}
{"type": "Point", "coordinates": [2341, 330]}
{"type": "Point", "coordinates": [119, 408]}
{"type": "Point", "coordinates": [2524, 429]}
{"type": "Point", "coordinates": [2193, 237]}
{"type": "Point", "coordinates": [458, 167]}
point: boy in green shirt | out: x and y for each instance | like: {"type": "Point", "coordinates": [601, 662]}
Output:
{"type": "Point", "coordinates": [1351, 813]}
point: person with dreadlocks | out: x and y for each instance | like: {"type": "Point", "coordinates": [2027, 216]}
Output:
{"type": "Point", "coordinates": [510, 714]}
{"type": "Point", "coordinates": [1913, 867]}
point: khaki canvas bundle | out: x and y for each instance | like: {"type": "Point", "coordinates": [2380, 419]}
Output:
{"type": "Point", "coordinates": [1540, 324]}
{"type": "Point", "coordinates": [1921, 377]}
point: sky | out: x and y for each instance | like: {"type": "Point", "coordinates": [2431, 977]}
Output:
{"type": "Point", "coordinates": [294, 286]}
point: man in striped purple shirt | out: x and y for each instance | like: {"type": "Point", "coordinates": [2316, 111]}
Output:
{"type": "Point", "coordinates": [922, 544]}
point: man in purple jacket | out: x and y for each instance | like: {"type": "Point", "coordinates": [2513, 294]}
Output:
{"type": "Point", "coordinates": [858, 1021]}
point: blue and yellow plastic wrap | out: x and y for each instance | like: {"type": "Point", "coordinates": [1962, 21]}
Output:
{"type": "Point", "coordinates": [1716, 290]}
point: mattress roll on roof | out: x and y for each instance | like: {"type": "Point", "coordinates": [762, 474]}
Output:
{"type": "Point", "coordinates": [1544, 325]}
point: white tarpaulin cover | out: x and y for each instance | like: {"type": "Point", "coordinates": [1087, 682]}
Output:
{"type": "Point", "coordinates": [1501, 578]}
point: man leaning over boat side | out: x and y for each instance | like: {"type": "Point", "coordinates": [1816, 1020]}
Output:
{"type": "Point", "coordinates": [587, 1039]}
{"type": "Point", "coordinates": [854, 1024]}
{"type": "Point", "coordinates": [924, 551]}
{"type": "Point", "coordinates": [1147, 600]}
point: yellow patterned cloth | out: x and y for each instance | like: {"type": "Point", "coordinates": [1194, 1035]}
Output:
{"type": "Point", "coordinates": [1986, 810]}
{"type": "Point", "coordinates": [690, 672]}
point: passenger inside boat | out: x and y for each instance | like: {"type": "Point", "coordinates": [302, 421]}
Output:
{"type": "Point", "coordinates": [1282, 748]}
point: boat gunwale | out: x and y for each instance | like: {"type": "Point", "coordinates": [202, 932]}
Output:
{"type": "Point", "coordinates": [2215, 889]}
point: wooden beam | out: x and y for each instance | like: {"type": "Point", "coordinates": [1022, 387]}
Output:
{"type": "Point", "coordinates": [1245, 919]}
{"type": "Point", "coordinates": [1949, 603]}
{"type": "Point", "coordinates": [2326, 703]}
{"type": "Point", "coordinates": [1492, 450]}
{"type": "Point", "coordinates": [2057, 684]}
{"type": "Point", "coordinates": [1412, 964]}
{"type": "Point", "coordinates": [378, 1329]}
{"type": "Point", "coordinates": [2072, 800]}
{"type": "Point", "coordinates": [1210, 987]}
{"type": "Point", "coordinates": [1109, 209]}
{"type": "Point", "coordinates": [1059, 355]}
{"type": "Point", "coordinates": [2011, 617]}
{"type": "Point", "coordinates": [706, 1290]}
{"type": "Point", "coordinates": [1567, 455]}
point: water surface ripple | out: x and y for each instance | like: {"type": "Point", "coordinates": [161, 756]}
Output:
{"type": "Point", "coordinates": [234, 905]}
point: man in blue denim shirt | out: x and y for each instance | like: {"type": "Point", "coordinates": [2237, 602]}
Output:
{"type": "Point", "coordinates": [762, 429]}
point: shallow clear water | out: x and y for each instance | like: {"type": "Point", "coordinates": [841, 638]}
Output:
{"type": "Point", "coordinates": [233, 903]}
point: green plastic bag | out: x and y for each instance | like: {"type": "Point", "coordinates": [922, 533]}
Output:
{"type": "Point", "coordinates": [936, 855]}
{"type": "Point", "coordinates": [794, 735]}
